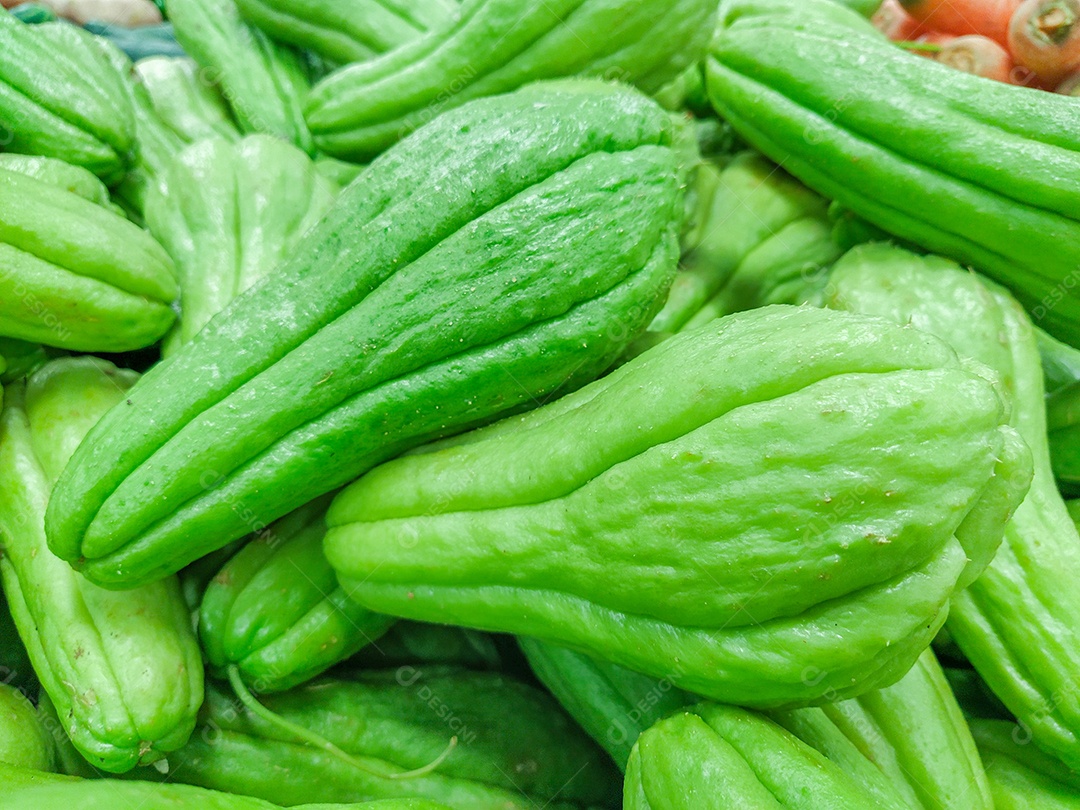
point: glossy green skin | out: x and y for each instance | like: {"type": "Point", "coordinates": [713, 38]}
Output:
{"type": "Point", "coordinates": [913, 731]}
{"type": "Point", "coordinates": [1060, 362]}
{"type": "Point", "coordinates": [1021, 777]}
{"type": "Point", "coordinates": [76, 275]}
{"type": "Point", "coordinates": [980, 171]}
{"type": "Point", "coordinates": [276, 611]}
{"type": "Point", "coordinates": [495, 46]}
{"type": "Point", "coordinates": [714, 757]}
{"type": "Point", "coordinates": [1063, 426]}
{"type": "Point", "coordinates": [230, 214]}
{"type": "Point", "coordinates": [184, 100]}
{"type": "Point", "coordinates": [515, 749]}
{"type": "Point", "coordinates": [59, 97]}
{"type": "Point", "coordinates": [74, 179]}
{"type": "Point", "coordinates": [27, 789]}
{"type": "Point", "coordinates": [264, 83]}
{"type": "Point", "coordinates": [24, 742]}
{"type": "Point", "coordinates": [708, 533]}
{"type": "Point", "coordinates": [1016, 622]}
{"type": "Point", "coordinates": [345, 31]}
{"type": "Point", "coordinates": [613, 704]}
{"type": "Point", "coordinates": [737, 209]}
{"type": "Point", "coordinates": [436, 294]}
{"type": "Point", "coordinates": [122, 669]}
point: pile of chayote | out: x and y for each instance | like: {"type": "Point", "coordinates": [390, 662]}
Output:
{"type": "Point", "coordinates": [498, 405]}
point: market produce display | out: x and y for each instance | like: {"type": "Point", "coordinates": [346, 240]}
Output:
{"type": "Point", "coordinates": [493, 405]}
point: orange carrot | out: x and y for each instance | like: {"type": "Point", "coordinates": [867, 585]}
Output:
{"type": "Point", "coordinates": [1044, 36]}
{"type": "Point", "coordinates": [979, 55]}
{"type": "Point", "coordinates": [895, 23]}
{"type": "Point", "coordinates": [988, 18]}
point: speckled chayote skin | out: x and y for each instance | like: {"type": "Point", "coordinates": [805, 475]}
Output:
{"type": "Point", "coordinates": [771, 510]}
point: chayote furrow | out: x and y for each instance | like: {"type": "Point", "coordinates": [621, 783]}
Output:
{"type": "Point", "coordinates": [345, 31]}
{"type": "Point", "coordinates": [183, 97]}
{"type": "Point", "coordinates": [61, 98]}
{"type": "Point", "coordinates": [453, 282]}
{"type": "Point", "coordinates": [229, 214]}
{"type": "Point", "coordinates": [122, 669]}
{"type": "Point", "coordinates": [781, 492]}
{"type": "Point", "coordinates": [495, 46]}
{"type": "Point", "coordinates": [515, 749]}
{"type": "Point", "coordinates": [74, 273]}
{"type": "Point", "coordinates": [983, 172]}
{"type": "Point", "coordinates": [1021, 776]}
{"type": "Point", "coordinates": [1017, 622]}
{"type": "Point", "coordinates": [276, 612]}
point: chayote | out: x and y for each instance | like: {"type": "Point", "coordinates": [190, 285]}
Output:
{"type": "Point", "coordinates": [455, 281]}
{"type": "Point", "coordinates": [276, 612]}
{"type": "Point", "coordinates": [61, 98]}
{"type": "Point", "coordinates": [419, 643]}
{"type": "Point", "coordinates": [1063, 427]}
{"type": "Point", "coordinates": [714, 757]}
{"type": "Point", "coordinates": [122, 669]}
{"type": "Point", "coordinates": [24, 742]}
{"type": "Point", "coordinates": [346, 31]}
{"type": "Point", "coordinates": [74, 179]}
{"type": "Point", "coordinates": [264, 83]}
{"type": "Point", "coordinates": [515, 749]}
{"type": "Point", "coordinates": [495, 46]}
{"type": "Point", "coordinates": [230, 214]}
{"type": "Point", "coordinates": [1017, 622]}
{"type": "Point", "coordinates": [750, 509]}
{"type": "Point", "coordinates": [76, 275]}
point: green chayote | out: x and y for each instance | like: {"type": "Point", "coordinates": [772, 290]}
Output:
{"type": "Point", "coordinates": [749, 509]}
{"type": "Point", "coordinates": [24, 742]}
{"type": "Point", "coordinates": [123, 669]}
{"type": "Point", "coordinates": [183, 96]}
{"type": "Point", "coordinates": [1022, 777]}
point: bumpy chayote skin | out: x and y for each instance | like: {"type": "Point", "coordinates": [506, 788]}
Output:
{"type": "Point", "coordinates": [984, 172]}
{"type": "Point", "coordinates": [714, 757]}
{"type": "Point", "coordinates": [1021, 776]}
{"type": "Point", "coordinates": [1017, 622]}
{"type": "Point", "coordinates": [455, 281]}
{"type": "Point", "coordinates": [728, 510]}
{"type": "Point", "coordinates": [515, 749]}
{"type": "Point", "coordinates": [276, 612]}
{"type": "Point", "coordinates": [75, 274]}
{"type": "Point", "coordinates": [123, 669]}
{"type": "Point", "coordinates": [60, 97]}
{"type": "Point", "coordinates": [263, 82]}
{"type": "Point", "coordinates": [230, 214]}
{"type": "Point", "coordinates": [345, 31]}
{"type": "Point", "coordinates": [495, 46]}
{"type": "Point", "coordinates": [28, 789]}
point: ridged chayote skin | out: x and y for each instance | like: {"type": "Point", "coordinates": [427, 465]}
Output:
{"type": "Point", "coordinates": [515, 749]}
{"type": "Point", "coordinates": [60, 97]}
{"type": "Point", "coordinates": [714, 757]}
{"type": "Point", "coordinates": [344, 31]}
{"type": "Point", "coordinates": [26, 789]}
{"type": "Point", "coordinates": [772, 509]}
{"type": "Point", "coordinates": [1016, 623]}
{"type": "Point", "coordinates": [183, 96]}
{"type": "Point", "coordinates": [75, 274]}
{"type": "Point", "coordinates": [495, 46]}
{"type": "Point", "coordinates": [276, 612]}
{"type": "Point", "coordinates": [458, 279]}
{"type": "Point", "coordinates": [123, 669]}
{"type": "Point", "coordinates": [230, 214]}
{"type": "Point", "coordinates": [24, 742]}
